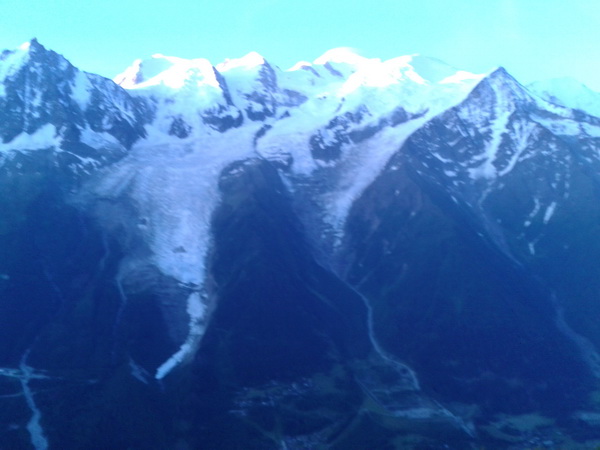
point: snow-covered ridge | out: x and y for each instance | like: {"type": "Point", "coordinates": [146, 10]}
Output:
{"type": "Point", "coordinates": [202, 117]}
{"type": "Point", "coordinates": [337, 73]}
{"type": "Point", "coordinates": [168, 71]}
{"type": "Point", "coordinates": [250, 88]}
{"type": "Point", "coordinates": [276, 114]}
{"type": "Point", "coordinates": [46, 102]}
{"type": "Point", "coordinates": [568, 92]}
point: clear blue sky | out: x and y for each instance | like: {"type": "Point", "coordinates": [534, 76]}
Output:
{"type": "Point", "coordinates": [533, 39]}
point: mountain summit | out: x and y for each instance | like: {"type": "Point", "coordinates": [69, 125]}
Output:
{"type": "Point", "coordinates": [352, 253]}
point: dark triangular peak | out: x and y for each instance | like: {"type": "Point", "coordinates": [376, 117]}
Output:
{"type": "Point", "coordinates": [38, 54]}
{"type": "Point", "coordinates": [268, 76]}
{"type": "Point", "coordinates": [11, 61]}
{"type": "Point", "coordinates": [253, 62]}
{"type": "Point", "coordinates": [502, 86]}
{"type": "Point", "coordinates": [37, 86]}
{"type": "Point", "coordinates": [42, 88]}
{"type": "Point", "coordinates": [34, 46]}
{"type": "Point", "coordinates": [44, 66]}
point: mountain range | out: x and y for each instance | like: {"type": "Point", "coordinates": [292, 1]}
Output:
{"type": "Point", "coordinates": [349, 254]}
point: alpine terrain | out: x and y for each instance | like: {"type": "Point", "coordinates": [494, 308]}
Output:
{"type": "Point", "coordinates": [349, 254]}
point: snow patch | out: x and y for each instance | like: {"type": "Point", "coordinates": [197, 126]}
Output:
{"type": "Point", "coordinates": [12, 61]}
{"type": "Point", "coordinates": [549, 212]}
{"type": "Point", "coordinates": [81, 90]}
{"type": "Point", "coordinates": [536, 208]}
{"type": "Point", "coordinates": [43, 138]}
{"type": "Point", "coordinates": [98, 139]}
{"type": "Point", "coordinates": [498, 128]}
{"type": "Point", "coordinates": [522, 132]}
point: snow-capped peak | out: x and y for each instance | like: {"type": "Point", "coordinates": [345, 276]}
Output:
{"type": "Point", "coordinates": [420, 82]}
{"type": "Point", "coordinates": [568, 92]}
{"type": "Point", "coordinates": [167, 71]}
{"type": "Point", "coordinates": [247, 62]}
{"type": "Point", "coordinates": [344, 61]}
{"type": "Point", "coordinates": [25, 46]}
{"type": "Point", "coordinates": [421, 69]}
{"type": "Point", "coordinates": [11, 61]}
{"type": "Point", "coordinates": [506, 86]}
{"type": "Point", "coordinates": [341, 55]}
{"type": "Point", "coordinates": [300, 65]}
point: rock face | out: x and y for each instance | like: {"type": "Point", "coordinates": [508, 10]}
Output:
{"type": "Point", "coordinates": [348, 254]}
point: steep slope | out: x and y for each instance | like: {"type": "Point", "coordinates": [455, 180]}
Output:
{"type": "Point", "coordinates": [466, 247]}
{"type": "Point", "coordinates": [59, 126]}
{"type": "Point", "coordinates": [351, 253]}
{"type": "Point", "coordinates": [277, 113]}
{"type": "Point", "coordinates": [532, 182]}
{"type": "Point", "coordinates": [59, 298]}
{"type": "Point", "coordinates": [47, 102]}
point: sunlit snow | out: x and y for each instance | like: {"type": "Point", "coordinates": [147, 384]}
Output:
{"type": "Point", "coordinates": [169, 71]}
{"type": "Point", "coordinates": [174, 182]}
